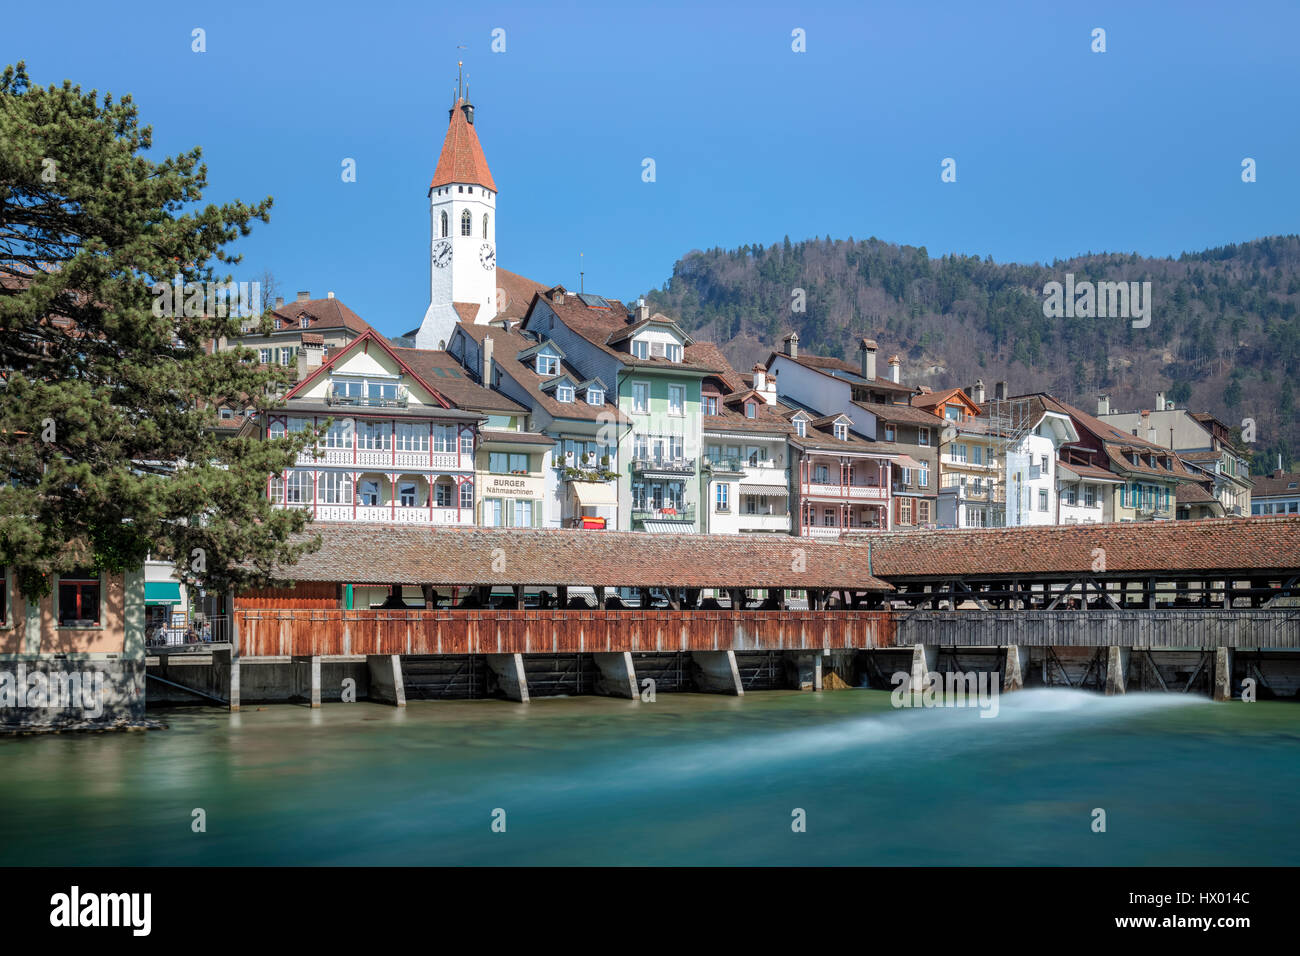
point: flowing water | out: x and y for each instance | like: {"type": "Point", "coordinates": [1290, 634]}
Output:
{"type": "Point", "coordinates": [687, 779]}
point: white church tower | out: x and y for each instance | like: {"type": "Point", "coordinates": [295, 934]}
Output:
{"type": "Point", "coordinates": [463, 231]}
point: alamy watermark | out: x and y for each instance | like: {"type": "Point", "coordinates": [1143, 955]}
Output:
{"type": "Point", "coordinates": [55, 690]}
{"type": "Point", "coordinates": [195, 299]}
{"type": "Point", "coordinates": [954, 689]}
{"type": "Point", "coordinates": [1102, 300]}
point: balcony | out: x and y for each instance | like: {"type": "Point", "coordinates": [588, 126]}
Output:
{"type": "Point", "coordinates": [400, 400]}
{"type": "Point", "coordinates": [684, 514]}
{"type": "Point", "coordinates": [383, 458]}
{"type": "Point", "coordinates": [856, 492]}
{"type": "Point", "coordinates": [763, 522]}
{"type": "Point", "coordinates": [388, 514]}
{"type": "Point", "coordinates": [664, 466]}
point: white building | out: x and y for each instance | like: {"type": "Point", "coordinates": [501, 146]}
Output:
{"type": "Point", "coordinates": [1033, 491]}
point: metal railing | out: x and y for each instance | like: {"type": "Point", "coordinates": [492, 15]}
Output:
{"type": "Point", "coordinates": [684, 466]}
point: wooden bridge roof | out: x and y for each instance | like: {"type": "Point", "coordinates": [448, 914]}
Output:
{"type": "Point", "coordinates": [383, 554]}
{"type": "Point", "coordinates": [1261, 544]}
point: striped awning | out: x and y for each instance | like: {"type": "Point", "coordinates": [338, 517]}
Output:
{"type": "Point", "coordinates": [765, 491]}
{"type": "Point", "coordinates": [908, 462]}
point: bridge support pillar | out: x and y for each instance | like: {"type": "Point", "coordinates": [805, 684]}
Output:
{"type": "Point", "coordinates": [808, 669]}
{"type": "Point", "coordinates": [1223, 673]}
{"type": "Point", "coordinates": [309, 688]}
{"type": "Point", "coordinates": [225, 667]}
{"type": "Point", "coordinates": [509, 669]}
{"type": "Point", "coordinates": [716, 672]}
{"type": "Point", "coordinates": [386, 685]}
{"type": "Point", "coordinates": [617, 675]}
{"type": "Point", "coordinates": [925, 658]}
{"type": "Point", "coordinates": [1014, 668]}
{"type": "Point", "coordinates": [1116, 670]}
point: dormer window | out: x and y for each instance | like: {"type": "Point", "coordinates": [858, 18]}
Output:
{"type": "Point", "coordinates": [595, 396]}
{"type": "Point", "coordinates": [751, 409]}
{"type": "Point", "coordinates": [303, 322]}
{"type": "Point", "coordinates": [841, 431]}
{"type": "Point", "coordinates": [800, 427]}
{"type": "Point", "coordinates": [564, 393]}
{"type": "Point", "coordinates": [640, 349]}
{"type": "Point", "coordinates": [952, 413]}
{"type": "Point", "coordinates": [548, 364]}
{"type": "Point", "coordinates": [673, 352]}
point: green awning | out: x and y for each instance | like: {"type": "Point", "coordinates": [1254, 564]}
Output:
{"type": "Point", "coordinates": [162, 592]}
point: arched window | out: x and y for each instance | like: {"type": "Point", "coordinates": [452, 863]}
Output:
{"type": "Point", "coordinates": [444, 224]}
{"type": "Point", "coordinates": [484, 225]}
{"type": "Point", "coordinates": [465, 224]}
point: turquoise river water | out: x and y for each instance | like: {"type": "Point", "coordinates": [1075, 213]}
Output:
{"type": "Point", "coordinates": [687, 779]}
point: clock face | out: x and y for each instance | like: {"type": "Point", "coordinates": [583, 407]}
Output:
{"type": "Point", "coordinates": [442, 253]}
{"type": "Point", "coordinates": [488, 256]}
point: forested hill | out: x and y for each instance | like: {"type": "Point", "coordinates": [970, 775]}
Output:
{"type": "Point", "coordinates": [1224, 334]}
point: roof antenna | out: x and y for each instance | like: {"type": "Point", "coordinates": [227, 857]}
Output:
{"type": "Point", "coordinates": [581, 274]}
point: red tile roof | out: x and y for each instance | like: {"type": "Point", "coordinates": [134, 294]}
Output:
{"type": "Point", "coordinates": [389, 554]}
{"type": "Point", "coordinates": [506, 347]}
{"type": "Point", "coordinates": [327, 313]}
{"type": "Point", "coordinates": [1278, 483]}
{"type": "Point", "coordinates": [462, 159]}
{"type": "Point", "coordinates": [1243, 544]}
{"type": "Point", "coordinates": [599, 325]}
{"type": "Point", "coordinates": [515, 294]}
{"type": "Point", "coordinates": [443, 372]}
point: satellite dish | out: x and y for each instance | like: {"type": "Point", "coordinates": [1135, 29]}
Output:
{"type": "Point", "coordinates": [948, 434]}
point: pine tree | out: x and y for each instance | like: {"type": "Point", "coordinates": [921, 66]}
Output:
{"type": "Point", "coordinates": [106, 408]}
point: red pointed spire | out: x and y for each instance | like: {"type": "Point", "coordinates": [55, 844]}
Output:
{"type": "Point", "coordinates": [462, 159]}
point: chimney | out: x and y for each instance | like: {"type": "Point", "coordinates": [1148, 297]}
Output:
{"type": "Point", "coordinates": [487, 361]}
{"type": "Point", "coordinates": [1147, 426]}
{"type": "Point", "coordinates": [329, 295]}
{"type": "Point", "coordinates": [310, 356]}
{"type": "Point", "coordinates": [1103, 404]}
{"type": "Point", "coordinates": [304, 296]}
{"type": "Point", "coordinates": [760, 378]}
{"type": "Point", "coordinates": [868, 349]}
{"type": "Point", "coordinates": [895, 368]}
{"type": "Point", "coordinates": [279, 301]}
{"type": "Point", "coordinates": [1160, 401]}
{"type": "Point", "coordinates": [1000, 391]}
{"type": "Point", "coordinates": [642, 310]}
{"type": "Point", "coordinates": [792, 345]}
{"type": "Point", "coordinates": [978, 394]}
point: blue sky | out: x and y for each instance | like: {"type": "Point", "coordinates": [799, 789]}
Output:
{"type": "Point", "coordinates": [1059, 150]}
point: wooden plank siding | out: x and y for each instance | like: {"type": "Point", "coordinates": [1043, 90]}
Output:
{"type": "Point", "coordinates": [304, 594]}
{"type": "Point", "coordinates": [1201, 627]}
{"type": "Point", "coordinates": [271, 631]}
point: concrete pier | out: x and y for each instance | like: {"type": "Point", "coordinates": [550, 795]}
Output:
{"type": "Point", "coordinates": [386, 685]}
{"type": "Point", "coordinates": [925, 658]}
{"type": "Point", "coordinates": [716, 672]}
{"type": "Point", "coordinates": [1223, 673]}
{"type": "Point", "coordinates": [617, 675]}
{"type": "Point", "coordinates": [1015, 665]}
{"type": "Point", "coordinates": [509, 671]}
{"type": "Point", "coordinates": [1117, 659]}
{"type": "Point", "coordinates": [306, 679]}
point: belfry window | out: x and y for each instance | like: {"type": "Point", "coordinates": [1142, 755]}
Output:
{"type": "Point", "coordinates": [466, 224]}
{"type": "Point", "coordinates": [485, 225]}
{"type": "Point", "coordinates": [444, 224]}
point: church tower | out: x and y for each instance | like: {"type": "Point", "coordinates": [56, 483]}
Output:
{"type": "Point", "coordinates": [463, 232]}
